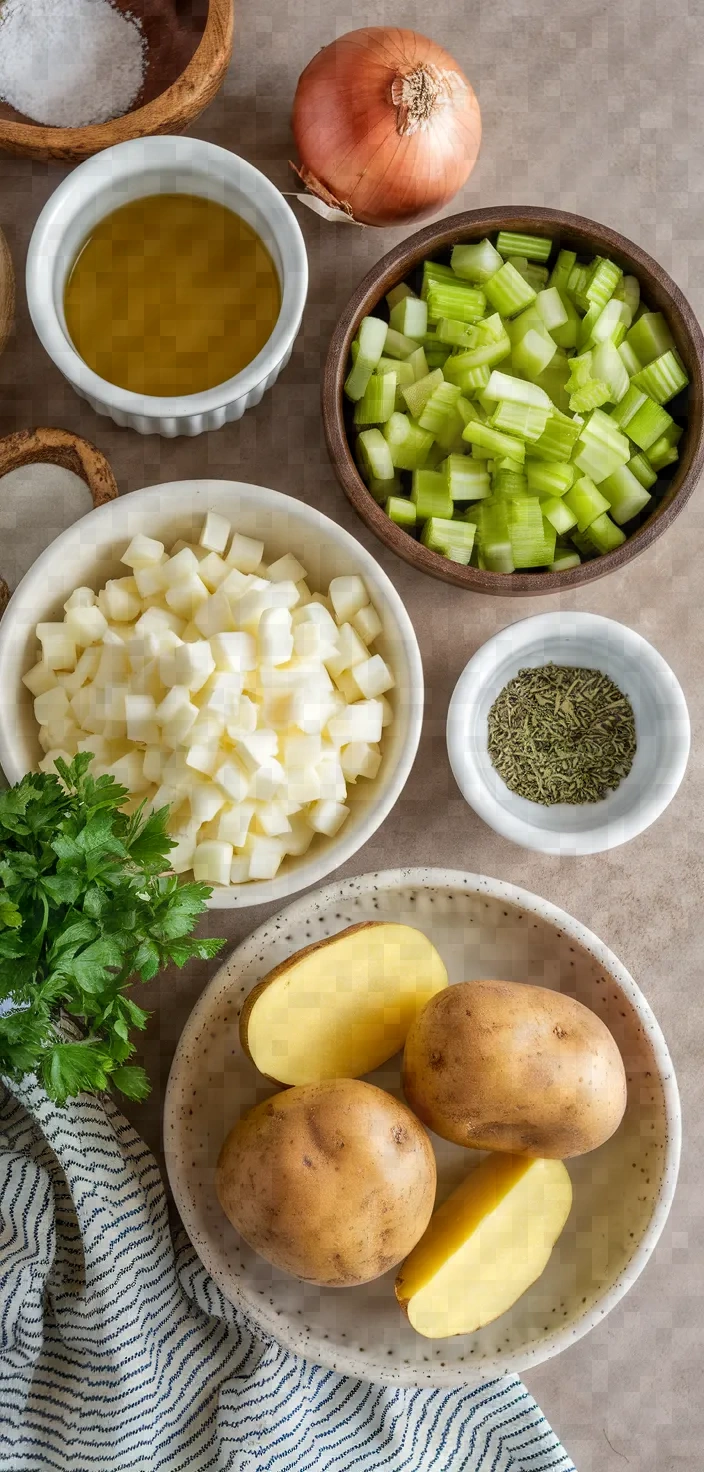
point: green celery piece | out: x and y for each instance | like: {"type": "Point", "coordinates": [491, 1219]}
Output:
{"type": "Point", "coordinates": [404, 375]}
{"type": "Point", "coordinates": [549, 480]}
{"type": "Point", "coordinates": [454, 539]}
{"type": "Point", "coordinates": [601, 447]}
{"type": "Point", "coordinates": [357, 379]}
{"type": "Point", "coordinates": [430, 494]}
{"type": "Point", "coordinates": [580, 371]}
{"type": "Point", "coordinates": [374, 456]}
{"type": "Point", "coordinates": [433, 272]}
{"type": "Point", "coordinates": [586, 501]}
{"type": "Point", "coordinates": [577, 286]}
{"type": "Point", "coordinates": [591, 396]}
{"type": "Point", "coordinates": [526, 421]}
{"type": "Point", "coordinates": [566, 336]}
{"type": "Point", "coordinates": [475, 380]}
{"type": "Point", "coordinates": [400, 510]}
{"type": "Point", "coordinates": [397, 345]}
{"type": "Point", "coordinates": [448, 435]}
{"type": "Point", "coordinates": [650, 337]}
{"type": "Point", "coordinates": [382, 489]}
{"type": "Point", "coordinates": [377, 402]}
{"type": "Point", "coordinates": [508, 293]}
{"type": "Point", "coordinates": [612, 323]}
{"type": "Point", "coordinates": [473, 514]}
{"type": "Point", "coordinates": [662, 453]}
{"type": "Point", "coordinates": [631, 363]}
{"type": "Point", "coordinates": [586, 327]}
{"type": "Point", "coordinates": [551, 307]}
{"type": "Point", "coordinates": [464, 478]}
{"type": "Point", "coordinates": [485, 355]}
{"type": "Point", "coordinates": [456, 334]}
{"type": "Point", "coordinates": [408, 443]}
{"type": "Point", "coordinates": [604, 277]}
{"type": "Point", "coordinates": [558, 439]}
{"type": "Point", "coordinates": [662, 378]}
{"type": "Point", "coordinates": [536, 276]}
{"type": "Point", "coordinates": [564, 561]}
{"type": "Point", "coordinates": [529, 320]}
{"type": "Point", "coordinates": [648, 424]}
{"type": "Point", "coordinates": [632, 401]}
{"type": "Point", "coordinates": [417, 394]}
{"type": "Point", "coordinates": [532, 542]}
{"type": "Point", "coordinates": [585, 548]}
{"type": "Point", "coordinates": [476, 262]}
{"type": "Point", "coordinates": [553, 379]}
{"type": "Point", "coordinates": [558, 514]}
{"type": "Point", "coordinates": [533, 247]}
{"type": "Point", "coordinates": [419, 364]}
{"type": "Point", "coordinates": [605, 535]}
{"type": "Point", "coordinates": [410, 317]}
{"type": "Point", "coordinates": [398, 293]}
{"type": "Point", "coordinates": [562, 270]}
{"type": "Point", "coordinates": [370, 340]}
{"type": "Point", "coordinates": [493, 440]}
{"type": "Point", "coordinates": [436, 357]}
{"type": "Point", "coordinates": [491, 329]}
{"type": "Point", "coordinates": [455, 300]}
{"type": "Point", "coordinates": [532, 354]}
{"type": "Point", "coordinates": [626, 495]}
{"type": "Point", "coordinates": [494, 537]}
{"type": "Point", "coordinates": [502, 386]}
{"type": "Point", "coordinates": [628, 291]}
{"type": "Point", "coordinates": [607, 366]}
{"type": "Point", "coordinates": [440, 407]}
{"type": "Point", "coordinates": [508, 483]}
{"type": "Point", "coordinates": [641, 468]}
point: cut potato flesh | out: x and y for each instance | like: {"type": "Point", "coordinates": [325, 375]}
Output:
{"type": "Point", "coordinates": [341, 1008]}
{"type": "Point", "coordinates": [485, 1245]}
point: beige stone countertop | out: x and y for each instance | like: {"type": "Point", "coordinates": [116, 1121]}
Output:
{"type": "Point", "coordinates": [595, 106]}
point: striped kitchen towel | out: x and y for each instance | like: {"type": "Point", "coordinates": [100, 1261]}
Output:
{"type": "Point", "coordinates": [119, 1354]}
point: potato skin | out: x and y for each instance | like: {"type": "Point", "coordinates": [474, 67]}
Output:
{"type": "Point", "coordinates": [500, 1065]}
{"type": "Point", "coordinates": [334, 1182]}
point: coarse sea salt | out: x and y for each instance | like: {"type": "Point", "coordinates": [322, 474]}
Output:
{"type": "Point", "coordinates": [69, 63]}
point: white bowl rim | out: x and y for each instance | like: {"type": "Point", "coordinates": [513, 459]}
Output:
{"type": "Point", "coordinates": [339, 849]}
{"type": "Point", "coordinates": [552, 1343]}
{"type": "Point", "coordinates": [509, 825]}
{"type": "Point", "coordinates": [110, 166]}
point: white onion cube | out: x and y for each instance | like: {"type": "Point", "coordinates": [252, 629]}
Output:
{"type": "Point", "coordinates": [58, 648]}
{"type": "Point", "coordinates": [140, 715]}
{"type": "Point", "coordinates": [53, 705]}
{"type": "Point", "coordinates": [40, 678]}
{"type": "Point", "coordinates": [245, 553]}
{"type": "Point", "coordinates": [275, 636]}
{"type": "Point", "coordinates": [179, 569]}
{"type": "Point", "coordinates": [211, 862]}
{"type": "Point", "coordinates": [234, 651]}
{"type": "Point", "coordinates": [360, 759]}
{"type": "Point", "coordinates": [272, 820]}
{"type": "Point", "coordinates": [360, 722]}
{"type": "Point", "coordinates": [187, 597]}
{"type": "Point", "coordinates": [214, 616]}
{"type": "Point", "coordinates": [153, 764]}
{"type": "Point", "coordinates": [149, 580]}
{"type": "Point", "coordinates": [86, 625]}
{"type": "Point", "coordinates": [233, 780]}
{"type": "Point", "coordinates": [143, 552]}
{"type": "Point", "coordinates": [215, 533]}
{"type": "Point", "coordinates": [239, 869]}
{"type": "Point", "coordinates": [366, 623]}
{"type": "Point", "coordinates": [177, 728]}
{"type": "Point", "coordinates": [327, 817]}
{"type": "Point", "coordinates": [120, 600]}
{"type": "Point", "coordinates": [212, 571]}
{"type": "Point", "coordinates": [286, 569]}
{"type": "Point", "coordinates": [265, 855]}
{"type": "Point", "coordinates": [80, 598]}
{"type": "Point", "coordinates": [347, 595]}
{"type": "Point", "coordinates": [205, 800]}
{"type": "Point", "coordinates": [373, 677]}
{"type": "Point", "coordinates": [234, 822]}
{"type": "Point", "coordinates": [350, 651]}
{"type": "Point", "coordinates": [189, 665]}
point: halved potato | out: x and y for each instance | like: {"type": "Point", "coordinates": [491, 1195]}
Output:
{"type": "Point", "coordinates": [485, 1245]}
{"type": "Point", "coordinates": [341, 1007]}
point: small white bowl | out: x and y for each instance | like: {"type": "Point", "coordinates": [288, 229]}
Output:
{"type": "Point", "coordinates": [662, 732]}
{"type": "Point", "coordinates": [89, 553]}
{"type": "Point", "coordinates": [163, 165]}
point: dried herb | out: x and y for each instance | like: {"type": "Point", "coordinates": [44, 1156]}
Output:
{"type": "Point", "coordinates": [561, 734]}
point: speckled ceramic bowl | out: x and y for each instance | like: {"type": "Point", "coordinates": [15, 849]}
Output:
{"type": "Point", "coordinates": [622, 1192]}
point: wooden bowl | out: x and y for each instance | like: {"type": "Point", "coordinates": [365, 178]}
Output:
{"type": "Point", "coordinates": [587, 238]}
{"type": "Point", "coordinates": [189, 45]}
{"type": "Point", "coordinates": [57, 447]}
{"type": "Point", "coordinates": [7, 291]}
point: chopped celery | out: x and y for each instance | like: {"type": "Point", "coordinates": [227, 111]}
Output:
{"type": "Point", "coordinates": [587, 325]}
{"type": "Point", "coordinates": [456, 334]}
{"type": "Point", "coordinates": [649, 422]}
{"type": "Point", "coordinates": [404, 375]}
{"type": "Point", "coordinates": [508, 292]}
{"type": "Point", "coordinates": [417, 394]}
{"type": "Point", "coordinates": [475, 262]}
{"type": "Point", "coordinates": [600, 447]}
{"type": "Point", "coordinates": [435, 456]}
{"type": "Point", "coordinates": [508, 483]}
{"type": "Point", "coordinates": [526, 321]}
{"type": "Point", "coordinates": [577, 287]}
{"type": "Point", "coordinates": [419, 363]}
{"type": "Point", "coordinates": [533, 247]}
{"type": "Point", "coordinates": [430, 494]}
{"type": "Point", "coordinates": [551, 307]}
{"type": "Point", "coordinates": [662, 453]}
{"type": "Point", "coordinates": [549, 480]}
{"type": "Point", "coordinates": [558, 514]}
{"type": "Point", "coordinates": [493, 440]}
{"type": "Point", "coordinates": [584, 389]}
{"type": "Point", "coordinates": [437, 356]}
{"type": "Point", "coordinates": [401, 510]}
{"type": "Point", "coordinates": [377, 402]}
{"type": "Point", "coordinates": [586, 501]}
{"type": "Point", "coordinates": [585, 548]}
{"type": "Point", "coordinates": [632, 401]}
{"type": "Point", "coordinates": [398, 293]}
{"type": "Point", "coordinates": [465, 479]}
{"type": "Point", "coordinates": [553, 380]}
{"type": "Point", "coordinates": [564, 561]}
{"type": "Point", "coordinates": [605, 535]}
{"type": "Point", "coordinates": [625, 493]}
{"type": "Point", "coordinates": [494, 537]}
{"type": "Point", "coordinates": [516, 390]}
{"type": "Point", "coordinates": [536, 276]}
{"type": "Point", "coordinates": [433, 272]}
{"type": "Point", "coordinates": [532, 539]}
{"type": "Point", "coordinates": [532, 354]}
{"type": "Point", "coordinates": [371, 336]}
{"type": "Point", "coordinates": [628, 291]}
{"type": "Point", "coordinates": [527, 421]}
{"type": "Point", "coordinates": [397, 345]}
{"type": "Point", "coordinates": [558, 438]}
{"type": "Point", "coordinates": [374, 455]}
{"type": "Point", "coordinates": [650, 337]}
{"type": "Point", "coordinates": [604, 277]}
{"type": "Point", "coordinates": [641, 468]}
{"type": "Point", "coordinates": [408, 443]}
{"type": "Point", "coordinates": [454, 539]}
{"type": "Point", "coordinates": [566, 336]}
{"type": "Point", "coordinates": [382, 489]}
{"type": "Point", "coordinates": [611, 323]}
{"type": "Point", "coordinates": [440, 407]}
{"type": "Point", "coordinates": [410, 317]}
{"type": "Point", "coordinates": [485, 355]}
{"type": "Point", "coordinates": [475, 380]}
{"type": "Point", "coordinates": [608, 367]}
{"type": "Point", "coordinates": [662, 378]}
{"type": "Point", "coordinates": [562, 270]}
{"type": "Point", "coordinates": [456, 300]}
{"type": "Point", "coordinates": [631, 363]}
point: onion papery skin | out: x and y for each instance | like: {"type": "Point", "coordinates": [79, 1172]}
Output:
{"type": "Point", "coordinates": [346, 126]}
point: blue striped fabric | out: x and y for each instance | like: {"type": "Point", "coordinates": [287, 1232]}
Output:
{"type": "Point", "coordinates": [119, 1354]}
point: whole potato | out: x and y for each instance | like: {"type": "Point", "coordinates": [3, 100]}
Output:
{"type": "Point", "coordinates": [333, 1182]}
{"type": "Point", "coordinates": [500, 1065]}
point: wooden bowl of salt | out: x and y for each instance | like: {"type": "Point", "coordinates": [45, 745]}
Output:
{"type": "Point", "coordinates": [184, 51]}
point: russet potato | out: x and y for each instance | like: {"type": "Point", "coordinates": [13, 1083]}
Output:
{"type": "Point", "coordinates": [500, 1065]}
{"type": "Point", "coordinates": [342, 1007]}
{"type": "Point", "coordinates": [485, 1245]}
{"type": "Point", "coordinates": [333, 1182]}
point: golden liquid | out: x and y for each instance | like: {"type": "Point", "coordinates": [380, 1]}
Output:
{"type": "Point", "coordinates": [171, 294]}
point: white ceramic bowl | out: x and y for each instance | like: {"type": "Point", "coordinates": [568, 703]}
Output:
{"type": "Point", "coordinates": [662, 732]}
{"type": "Point", "coordinates": [622, 1192]}
{"type": "Point", "coordinates": [163, 166]}
{"type": "Point", "coordinates": [89, 553]}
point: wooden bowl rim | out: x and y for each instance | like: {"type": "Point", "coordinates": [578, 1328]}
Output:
{"type": "Point", "coordinates": [391, 269]}
{"type": "Point", "coordinates": [154, 116]}
{"type": "Point", "coordinates": [57, 447]}
{"type": "Point", "coordinates": [7, 291]}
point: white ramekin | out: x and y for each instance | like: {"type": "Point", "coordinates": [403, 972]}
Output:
{"type": "Point", "coordinates": [662, 732]}
{"type": "Point", "coordinates": [163, 165]}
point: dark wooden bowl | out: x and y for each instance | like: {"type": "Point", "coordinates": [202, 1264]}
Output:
{"type": "Point", "coordinates": [587, 238]}
{"type": "Point", "coordinates": [189, 45]}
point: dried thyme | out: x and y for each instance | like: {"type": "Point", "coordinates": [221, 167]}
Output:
{"type": "Point", "coordinates": [561, 734]}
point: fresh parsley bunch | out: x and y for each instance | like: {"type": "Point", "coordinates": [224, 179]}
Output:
{"type": "Point", "coordinates": [85, 907]}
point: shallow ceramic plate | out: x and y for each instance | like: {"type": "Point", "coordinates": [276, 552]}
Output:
{"type": "Point", "coordinates": [622, 1192]}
